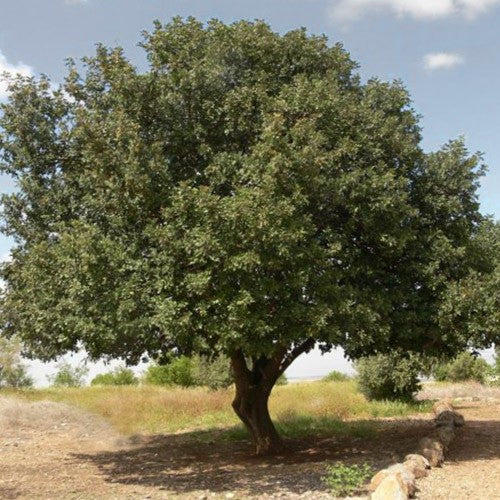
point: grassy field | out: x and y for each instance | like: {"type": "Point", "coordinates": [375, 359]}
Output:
{"type": "Point", "coordinates": [298, 409]}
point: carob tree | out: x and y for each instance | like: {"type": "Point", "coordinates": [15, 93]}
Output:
{"type": "Point", "coordinates": [245, 194]}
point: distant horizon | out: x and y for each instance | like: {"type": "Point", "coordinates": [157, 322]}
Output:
{"type": "Point", "coordinates": [300, 369]}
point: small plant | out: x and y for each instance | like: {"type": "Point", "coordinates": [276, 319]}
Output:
{"type": "Point", "coordinates": [346, 479]}
{"type": "Point", "coordinates": [336, 376]}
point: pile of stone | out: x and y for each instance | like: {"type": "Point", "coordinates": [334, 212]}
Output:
{"type": "Point", "coordinates": [397, 482]}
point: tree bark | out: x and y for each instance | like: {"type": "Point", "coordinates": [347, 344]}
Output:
{"type": "Point", "coordinates": [251, 406]}
{"type": "Point", "coordinates": [253, 388]}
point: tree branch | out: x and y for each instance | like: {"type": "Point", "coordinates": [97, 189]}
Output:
{"type": "Point", "coordinates": [306, 346]}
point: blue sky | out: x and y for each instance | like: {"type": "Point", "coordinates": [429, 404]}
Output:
{"type": "Point", "coordinates": [445, 52]}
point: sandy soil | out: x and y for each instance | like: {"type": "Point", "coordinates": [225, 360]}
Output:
{"type": "Point", "coordinates": [50, 450]}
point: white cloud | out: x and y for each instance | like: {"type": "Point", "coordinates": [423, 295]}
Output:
{"type": "Point", "coordinates": [348, 10]}
{"type": "Point", "coordinates": [74, 2]}
{"type": "Point", "coordinates": [11, 69]}
{"type": "Point", "coordinates": [442, 60]}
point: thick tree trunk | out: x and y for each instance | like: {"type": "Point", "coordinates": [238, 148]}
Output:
{"type": "Point", "coordinates": [253, 388]}
{"type": "Point", "coordinates": [251, 407]}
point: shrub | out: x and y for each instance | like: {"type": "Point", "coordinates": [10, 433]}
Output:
{"type": "Point", "coordinates": [388, 376]}
{"type": "Point", "coordinates": [68, 375]}
{"type": "Point", "coordinates": [336, 376]}
{"type": "Point", "coordinates": [282, 380]}
{"type": "Point", "coordinates": [465, 366]}
{"type": "Point", "coordinates": [344, 480]}
{"type": "Point", "coordinates": [179, 371]}
{"type": "Point", "coordinates": [213, 373]}
{"type": "Point", "coordinates": [119, 376]}
{"type": "Point", "coordinates": [440, 372]}
{"type": "Point", "coordinates": [13, 372]}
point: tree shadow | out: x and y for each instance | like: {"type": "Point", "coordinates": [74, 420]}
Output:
{"type": "Point", "coordinates": [201, 460]}
{"type": "Point", "coordinates": [8, 493]}
{"type": "Point", "coordinates": [478, 440]}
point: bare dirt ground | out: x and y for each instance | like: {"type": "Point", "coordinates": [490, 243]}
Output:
{"type": "Point", "coordinates": [472, 468]}
{"type": "Point", "coordinates": [50, 450]}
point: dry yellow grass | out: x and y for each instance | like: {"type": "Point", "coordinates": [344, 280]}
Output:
{"type": "Point", "coordinates": [152, 409]}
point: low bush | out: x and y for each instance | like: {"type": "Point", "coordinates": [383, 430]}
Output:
{"type": "Point", "coordinates": [389, 376]}
{"type": "Point", "coordinates": [179, 371]}
{"type": "Point", "coordinates": [119, 376]}
{"type": "Point", "coordinates": [344, 480]}
{"type": "Point", "coordinates": [465, 366]}
{"type": "Point", "coordinates": [336, 376]}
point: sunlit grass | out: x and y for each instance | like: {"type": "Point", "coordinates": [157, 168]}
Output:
{"type": "Point", "coordinates": [308, 408]}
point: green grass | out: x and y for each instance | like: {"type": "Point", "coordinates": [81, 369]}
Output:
{"type": "Point", "coordinates": [309, 408]}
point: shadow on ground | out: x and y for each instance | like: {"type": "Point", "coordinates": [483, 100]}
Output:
{"type": "Point", "coordinates": [195, 461]}
{"type": "Point", "coordinates": [8, 493]}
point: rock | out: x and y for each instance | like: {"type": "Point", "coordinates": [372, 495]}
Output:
{"type": "Point", "coordinates": [415, 468]}
{"type": "Point", "coordinates": [459, 420]}
{"type": "Point", "coordinates": [442, 405]}
{"type": "Point", "coordinates": [391, 488]}
{"type": "Point", "coordinates": [446, 417]}
{"type": "Point", "coordinates": [435, 457]}
{"type": "Point", "coordinates": [406, 477]}
{"type": "Point", "coordinates": [421, 460]}
{"type": "Point", "coordinates": [445, 435]}
{"type": "Point", "coordinates": [432, 450]}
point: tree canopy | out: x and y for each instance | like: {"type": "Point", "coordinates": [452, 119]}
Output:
{"type": "Point", "coordinates": [245, 195]}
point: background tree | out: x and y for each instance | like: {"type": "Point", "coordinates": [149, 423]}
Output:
{"type": "Point", "coordinates": [246, 195]}
{"type": "Point", "coordinates": [68, 375]}
{"type": "Point", "coordinates": [13, 372]}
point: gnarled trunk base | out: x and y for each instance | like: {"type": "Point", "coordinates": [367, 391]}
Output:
{"type": "Point", "coordinates": [253, 387]}
{"type": "Point", "coordinates": [252, 408]}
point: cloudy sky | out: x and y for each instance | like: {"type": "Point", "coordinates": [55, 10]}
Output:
{"type": "Point", "coordinates": [445, 51]}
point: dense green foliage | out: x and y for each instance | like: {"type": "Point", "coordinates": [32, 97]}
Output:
{"type": "Point", "coordinates": [335, 376]}
{"type": "Point", "coordinates": [344, 480]}
{"type": "Point", "coordinates": [69, 375]}
{"type": "Point", "coordinates": [389, 376]}
{"type": "Point", "coordinates": [465, 366]}
{"type": "Point", "coordinates": [118, 376]}
{"type": "Point", "coordinates": [247, 186]}
{"type": "Point", "coordinates": [472, 305]}
{"type": "Point", "coordinates": [13, 372]}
